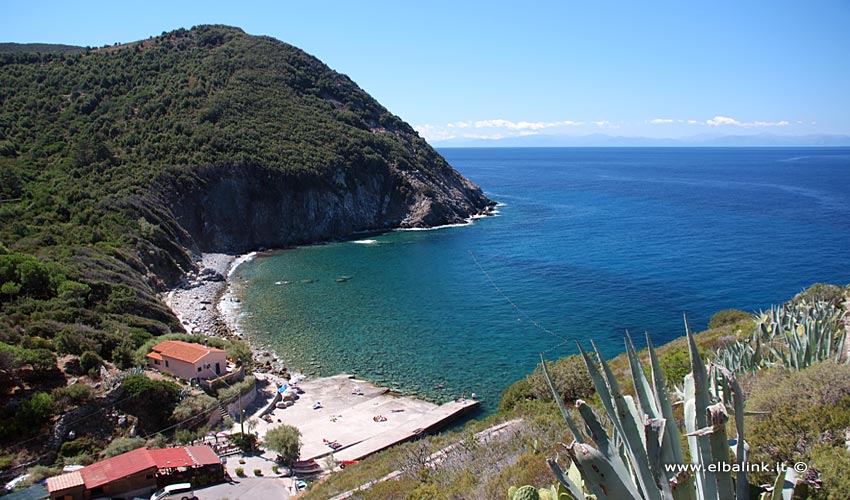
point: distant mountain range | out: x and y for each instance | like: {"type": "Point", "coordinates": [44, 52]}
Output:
{"type": "Point", "coordinates": [704, 140]}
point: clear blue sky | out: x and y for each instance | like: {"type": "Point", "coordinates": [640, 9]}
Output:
{"type": "Point", "coordinates": [492, 68]}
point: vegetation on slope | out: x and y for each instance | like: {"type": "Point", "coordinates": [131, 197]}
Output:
{"type": "Point", "coordinates": [100, 149]}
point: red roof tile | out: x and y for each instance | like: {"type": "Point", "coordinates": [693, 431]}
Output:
{"type": "Point", "coordinates": [203, 455]}
{"type": "Point", "coordinates": [65, 481]}
{"type": "Point", "coordinates": [184, 351]}
{"type": "Point", "coordinates": [111, 469]}
{"type": "Point", "coordinates": [167, 458]}
{"type": "Point", "coordinates": [187, 456]}
{"type": "Point", "coordinates": [133, 462]}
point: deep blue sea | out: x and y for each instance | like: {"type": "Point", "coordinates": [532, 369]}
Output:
{"type": "Point", "coordinates": [588, 243]}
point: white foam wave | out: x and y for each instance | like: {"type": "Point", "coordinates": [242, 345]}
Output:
{"type": "Point", "coordinates": [366, 242]}
{"type": "Point", "coordinates": [239, 261]}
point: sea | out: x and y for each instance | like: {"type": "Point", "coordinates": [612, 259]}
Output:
{"type": "Point", "coordinates": [586, 244]}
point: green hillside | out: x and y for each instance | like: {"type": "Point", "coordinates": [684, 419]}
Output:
{"type": "Point", "coordinates": [119, 165]}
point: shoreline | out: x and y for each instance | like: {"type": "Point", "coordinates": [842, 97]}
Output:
{"type": "Point", "coordinates": [205, 301]}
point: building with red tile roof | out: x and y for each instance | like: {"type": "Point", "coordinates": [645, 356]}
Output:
{"type": "Point", "coordinates": [137, 471]}
{"type": "Point", "coordinates": [187, 360]}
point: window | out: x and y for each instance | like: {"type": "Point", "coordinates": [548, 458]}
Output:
{"type": "Point", "coordinates": [97, 491]}
{"type": "Point", "coordinates": [166, 363]}
{"type": "Point", "coordinates": [199, 369]}
{"type": "Point", "coordinates": [156, 361]}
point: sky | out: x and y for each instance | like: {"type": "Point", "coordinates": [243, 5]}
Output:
{"type": "Point", "coordinates": [493, 69]}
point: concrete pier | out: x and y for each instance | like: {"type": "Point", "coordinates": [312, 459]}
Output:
{"type": "Point", "coordinates": [360, 417]}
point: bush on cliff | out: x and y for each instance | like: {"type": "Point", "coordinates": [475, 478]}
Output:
{"type": "Point", "coordinates": [796, 411]}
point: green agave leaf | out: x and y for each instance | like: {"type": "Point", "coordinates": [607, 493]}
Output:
{"type": "Point", "coordinates": [599, 475]}
{"type": "Point", "coordinates": [701, 444]}
{"type": "Point", "coordinates": [627, 422]}
{"type": "Point", "coordinates": [642, 387]}
{"type": "Point", "coordinates": [566, 481]}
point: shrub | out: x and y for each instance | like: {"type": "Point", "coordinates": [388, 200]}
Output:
{"type": "Point", "coordinates": [229, 393]}
{"type": "Point", "coordinates": [71, 342]}
{"type": "Point", "coordinates": [275, 469]}
{"type": "Point", "coordinates": [675, 363]}
{"type": "Point", "coordinates": [184, 436]}
{"type": "Point", "coordinates": [821, 292]}
{"type": "Point", "coordinates": [728, 317]}
{"type": "Point", "coordinates": [122, 356]}
{"type": "Point", "coordinates": [36, 410]}
{"type": "Point", "coordinates": [194, 406]}
{"type": "Point", "coordinates": [834, 466]}
{"type": "Point", "coordinates": [79, 446]}
{"type": "Point", "coordinates": [519, 391]}
{"type": "Point", "coordinates": [798, 410]}
{"type": "Point", "coordinates": [572, 380]}
{"type": "Point", "coordinates": [40, 359]}
{"type": "Point", "coordinates": [152, 402]}
{"type": "Point", "coordinates": [240, 472]}
{"type": "Point", "coordinates": [36, 342]}
{"type": "Point", "coordinates": [74, 291]}
{"type": "Point", "coordinates": [90, 362]}
{"type": "Point", "coordinates": [246, 442]}
{"type": "Point", "coordinates": [157, 441]}
{"type": "Point", "coordinates": [123, 445]}
{"type": "Point", "coordinates": [40, 472]}
{"type": "Point", "coordinates": [72, 395]}
{"type": "Point", "coordinates": [258, 472]}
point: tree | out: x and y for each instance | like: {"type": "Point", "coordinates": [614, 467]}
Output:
{"type": "Point", "coordinates": [10, 289]}
{"type": "Point", "coordinates": [36, 410]}
{"type": "Point", "coordinates": [286, 441]}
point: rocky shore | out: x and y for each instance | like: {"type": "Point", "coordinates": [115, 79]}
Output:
{"type": "Point", "coordinates": [195, 299]}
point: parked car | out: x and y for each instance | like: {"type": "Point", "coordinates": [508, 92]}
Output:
{"type": "Point", "coordinates": [179, 491]}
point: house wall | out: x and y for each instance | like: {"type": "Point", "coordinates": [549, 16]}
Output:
{"type": "Point", "coordinates": [141, 481]}
{"type": "Point", "coordinates": [207, 365]}
{"type": "Point", "coordinates": [178, 368]}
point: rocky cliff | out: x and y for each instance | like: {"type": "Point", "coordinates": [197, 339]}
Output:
{"type": "Point", "coordinates": [241, 208]}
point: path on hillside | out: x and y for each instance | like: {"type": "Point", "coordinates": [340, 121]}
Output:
{"type": "Point", "coordinates": [435, 458]}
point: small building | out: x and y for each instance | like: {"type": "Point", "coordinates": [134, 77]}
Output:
{"type": "Point", "coordinates": [188, 361]}
{"type": "Point", "coordinates": [138, 472]}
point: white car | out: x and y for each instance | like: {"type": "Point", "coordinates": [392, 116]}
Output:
{"type": "Point", "coordinates": [179, 491]}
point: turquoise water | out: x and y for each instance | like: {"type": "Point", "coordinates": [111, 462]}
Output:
{"type": "Point", "coordinates": [588, 243]}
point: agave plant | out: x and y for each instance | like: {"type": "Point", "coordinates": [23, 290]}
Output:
{"type": "Point", "coordinates": [643, 457]}
{"type": "Point", "coordinates": [794, 335]}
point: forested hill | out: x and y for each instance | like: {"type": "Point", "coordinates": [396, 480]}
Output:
{"type": "Point", "coordinates": [117, 164]}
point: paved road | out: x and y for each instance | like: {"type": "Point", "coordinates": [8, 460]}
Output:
{"type": "Point", "coordinates": [249, 488]}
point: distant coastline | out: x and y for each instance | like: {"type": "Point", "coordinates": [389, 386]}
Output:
{"type": "Point", "coordinates": [699, 141]}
